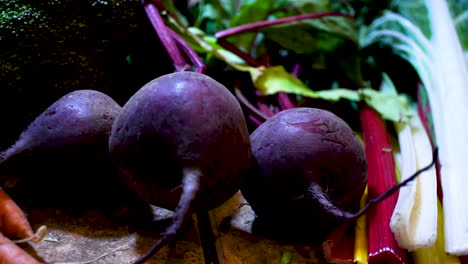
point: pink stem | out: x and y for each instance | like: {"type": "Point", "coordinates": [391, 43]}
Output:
{"type": "Point", "coordinates": [285, 102]}
{"type": "Point", "coordinates": [255, 120]}
{"type": "Point", "coordinates": [168, 42]}
{"type": "Point", "coordinates": [193, 56]}
{"type": "Point", "coordinates": [265, 109]}
{"type": "Point", "coordinates": [227, 45]}
{"type": "Point", "coordinates": [253, 110]}
{"type": "Point", "coordinates": [257, 25]}
{"type": "Point", "coordinates": [161, 6]}
{"type": "Point", "coordinates": [296, 70]}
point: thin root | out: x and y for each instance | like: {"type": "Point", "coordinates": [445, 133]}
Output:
{"type": "Point", "coordinates": [36, 238]}
{"type": "Point", "coordinates": [121, 248]}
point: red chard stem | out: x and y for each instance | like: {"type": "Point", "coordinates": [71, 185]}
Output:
{"type": "Point", "coordinates": [338, 247]}
{"type": "Point", "coordinates": [382, 246]}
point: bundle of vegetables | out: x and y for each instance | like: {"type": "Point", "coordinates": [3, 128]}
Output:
{"type": "Point", "coordinates": [264, 39]}
{"type": "Point", "coordinates": [433, 42]}
{"type": "Point", "coordinates": [181, 141]}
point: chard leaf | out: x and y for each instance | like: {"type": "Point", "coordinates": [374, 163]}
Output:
{"type": "Point", "coordinates": [416, 11]}
{"type": "Point", "coordinates": [391, 105]}
{"type": "Point", "coordinates": [461, 25]}
{"type": "Point", "coordinates": [276, 79]}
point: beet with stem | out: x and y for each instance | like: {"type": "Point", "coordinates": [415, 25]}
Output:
{"type": "Point", "coordinates": [308, 176]}
{"type": "Point", "coordinates": [308, 162]}
{"type": "Point", "coordinates": [181, 142]}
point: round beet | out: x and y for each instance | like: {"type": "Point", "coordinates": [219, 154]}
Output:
{"type": "Point", "coordinates": [181, 142]}
{"type": "Point", "coordinates": [310, 171]}
{"type": "Point", "coordinates": [63, 153]}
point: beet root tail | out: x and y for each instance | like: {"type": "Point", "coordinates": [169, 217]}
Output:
{"type": "Point", "coordinates": [316, 192]}
{"type": "Point", "coordinates": [191, 186]}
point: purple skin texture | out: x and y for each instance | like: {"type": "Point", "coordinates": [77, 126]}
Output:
{"type": "Point", "coordinates": [78, 118]}
{"type": "Point", "coordinates": [181, 142]}
{"type": "Point", "coordinates": [64, 152]}
{"type": "Point", "coordinates": [310, 171]}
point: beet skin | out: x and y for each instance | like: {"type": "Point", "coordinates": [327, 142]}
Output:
{"type": "Point", "coordinates": [181, 142]}
{"type": "Point", "coordinates": [309, 169]}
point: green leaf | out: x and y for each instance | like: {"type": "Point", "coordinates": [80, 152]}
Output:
{"type": "Point", "coordinates": [250, 11]}
{"type": "Point", "coordinates": [170, 6]}
{"type": "Point", "coordinates": [389, 104]}
{"type": "Point", "coordinates": [417, 12]}
{"type": "Point", "coordinates": [313, 35]}
{"type": "Point", "coordinates": [336, 94]}
{"type": "Point", "coordinates": [461, 25]}
{"type": "Point", "coordinates": [312, 6]}
{"type": "Point", "coordinates": [276, 79]}
{"type": "Point", "coordinates": [216, 14]}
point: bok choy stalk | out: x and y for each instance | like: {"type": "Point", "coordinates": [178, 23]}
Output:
{"type": "Point", "coordinates": [436, 54]}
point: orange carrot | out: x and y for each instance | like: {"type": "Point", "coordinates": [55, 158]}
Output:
{"type": "Point", "coordinates": [10, 253]}
{"type": "Point", "coordinates": [13, 222]}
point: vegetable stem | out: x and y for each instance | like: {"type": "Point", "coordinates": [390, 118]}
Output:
{"type": "Point", "coordinates": [189, 51]}
{"type": "Point", "coordinates": [316, 191]}
{"type": "Point", "coordinates": [191, 186]}
{"type": "Point", "coordinates": [253, 110]}
{"type": "Point", "coordinates": [382, 246]}
{"type": "Point", "coordinates": [246, 57]}
{"type": "Point", "coordinates": [164, 35]}
{"type": "Point", "coordinates": [267, 23]}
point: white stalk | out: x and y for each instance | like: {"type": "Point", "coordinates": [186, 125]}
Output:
{"type": "Point", "coordinates": [414, 220]}
{"type": "Point", "coordinates": [451, 81]}
{"type": "Point", "coordinates": [443, 69]}
{"type": "Point", "coordinates": [401, 217]}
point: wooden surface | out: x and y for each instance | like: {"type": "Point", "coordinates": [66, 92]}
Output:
{"type": "Point", "coordinates": [76, 239]}
{"type": "Point", "coordinates": [92, 234]}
